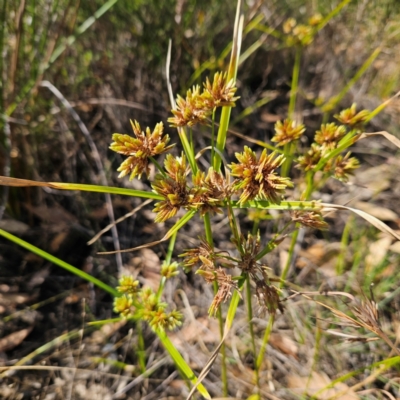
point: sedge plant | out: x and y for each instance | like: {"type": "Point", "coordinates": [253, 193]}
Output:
{"type": "Point", "coordinates": [255, 180]}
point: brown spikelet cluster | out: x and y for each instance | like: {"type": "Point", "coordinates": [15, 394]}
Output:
{"type": "Point", "coordinates": [198, 105]}
{"type": "Point", "coordinates": [189, 111]}
{"type": "Point", "coordinates": [207, 194]}
{"type": "Point", "coordinates": [257, 178]}
{"type": "Point", "coordinates": [312, 219]}
{"type": "Point", "coordinates": [287, 131]}
{"type": "Point", "coordinates": [267, 295]}
{"type": "Point", "coordinates": [213, 265]}
{"type": "Point", "coordinates": [329, 135]}
{"type": "Point", "coordinates": [345, 166]}
{"type": "Point", "coordinates": [210, 191]}
{"type": "Point", "coordinates": [225, 286]}
{"type": "Point", "coordinates": [220, 93]}
{"type": "Point", "coordinates": [205, 257]}
{"type": "Point", "coordinates": [211, 268]}
{"type": "Point", "coordinates": [351, 118]}
{"type": "Point", "coordinates": [172, 187]}
{"type": "Point", "coordinates": [139, 148]}
{"type": "Point", "coordinates": [310, 160]}
{"type": "Point", "coordinates": [323, 154]}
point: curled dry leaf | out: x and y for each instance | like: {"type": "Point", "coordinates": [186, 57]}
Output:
{"type": "Point", "coordinates": [371, 219]}
{"type": "Point", "coordinates": [382, 213]}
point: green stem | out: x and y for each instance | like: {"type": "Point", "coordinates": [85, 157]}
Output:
{"type": "Point", "coordinates": [267, 334]}
{"type": "Point", "coordinates": [334, 101]}
{"type": "Point", "coordinates": [141, 349]}
{"type": "Point", "coordinates": [272, 243]}
{"type": "Point", "coordinates": [158, 166]}
{"type": "Point", "coordinates": [295, 83]}
{"type": "Point", "coordinates": [224, 372]}
{"type": "Point", "coordinates": [168, 258]}
{"type": "Point", "coordinates": [307, 195]}
{"type": "Point", "coordinates": [181, 363]}
{"type": "Point", "coordinates": [290, 256]}
{"type": "Point", "coordinates": [251, 328]}
{"type": "Point", "coordinates": [288, 150]}
{"type": "Point", "coordinates": [60, 263]}
{"type": "Point", "coordinates": [340, 264]}
{"type": "Point", "coordinates": [232, 72]}
{"type": "Point", "coordinates": [191, 140]}
{"type": "Point", "coordinates": [213, 137]}
{"type": "Point", "coordinates": [187, 148]}
{"type": "Point", "coordinates": [234, 226]}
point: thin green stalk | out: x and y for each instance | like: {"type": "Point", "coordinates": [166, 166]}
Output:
{"type": "Point", "coordinates": [76, 271]}
{"type": "Point", "coordinates": [232, 72]}
{"type": "Point", "coordinates": [295, 83]}
{"type": "Point", "coordinates": [6, 181]}
{"type": "Point", "coordinates": [271, 245]}
{"type": "Point", "coordinates": [58, 51]}
{"type": "Point", "coordinates": [234, 226]}
{"type": "Point", "coordinates": [332, 14]}
{"type": "Point", "coordinates": [318, 336]}
{"type": "Point", "coordinates": [331, 104]}
{"type": "Point", "coordinates": [252, 335]}
{"type": "Point", "coordinates": [340, 264]}
{"type": "Point", "coordinates": [158, 166]}
{"type": "Point", "coordinates": [256, 224]}
{"type": "Point", "coordinates": [267, 334]}
{"type": "Point", "coordinates": [307, 195]}
{"type": "Point", "coordinates": [181, 363]}
{"type": "Point", "coordinates": [141, 348]}
{"type": "Point", "coordinates": [191, 140]}
{"type": "Point", "coordinates": [224, 372]}
{"type": "Point", "coordinates": [187, 148]}
{"type": "Point", "coordinates": [288, 150]}
{"type": "Point", "coordinates": [213, 137]}
{"type": "Point", "coordinates": [167, 261]}
{"type": "Point", "coordinates": [290, 256]}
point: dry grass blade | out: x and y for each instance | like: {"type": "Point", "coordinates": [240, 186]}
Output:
{"type": "Point", "coordinates": [372, 220]}
{"type": "Point", "coordinates": [387, 135]}
{"type": "Point", "coordinates": [366, 316]}
{"type": "Point", "coordinates": [127, 215]}
{"type": "Point", "coordinates": [209, 364]}
{"type": "Point", "coordinates": [98, 162]}
{"type": "Point", "coordinates": [351, 337]}
{"type": "Point", "coordinates": [171, 232]}
{"type": "Point", "coordinates": [143, 246]}
{"type": "Point", "coordinates": [7, 181]}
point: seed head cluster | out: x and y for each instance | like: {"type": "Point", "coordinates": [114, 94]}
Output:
{"type": "Point", "coordinates": [139, 148]}
{"type": "Point", "coordinates": [144, 304]}
{"type": "Point", "coordinates": [328, 139]}
{"type": "Point", "coordinates": [287, 131]}
{"type": "Point", "coordinates": [256, 178]}
{"type": "Point", "coordinates": [199, 105]}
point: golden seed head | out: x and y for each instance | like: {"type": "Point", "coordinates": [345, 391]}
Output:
{"type": "Point", "coordinates": [287, 132]}
{"type": "Point", "coordinates": [257, 178]}
{"type": "Point", "coordinates": [139, 148]}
